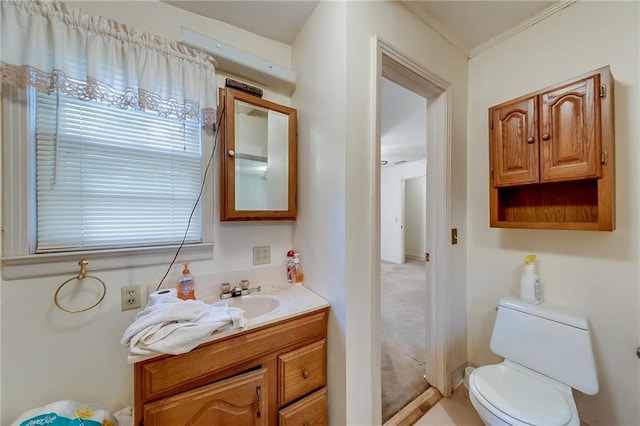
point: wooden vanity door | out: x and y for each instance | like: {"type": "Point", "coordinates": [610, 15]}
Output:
{"type": "Point", "coordinates": [239, 401]}
{"type": "Point", "coordinates": [570, 144]}
{"type": "Point", "coordinates": [513, 141]}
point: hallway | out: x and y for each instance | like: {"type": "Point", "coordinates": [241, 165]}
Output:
{"type": "Point", "coordinates": [403, 335]}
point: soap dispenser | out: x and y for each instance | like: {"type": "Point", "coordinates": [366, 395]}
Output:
{"type": "Point", "coordinates": [530, 284]}
{"type": "Point", "coordinates": [297, 274]}
{"type": "Point", "coordinates": [186, 285]}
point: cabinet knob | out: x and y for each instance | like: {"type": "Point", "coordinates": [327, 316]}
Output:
{"type": "Point", "coordinates": [231, 153]}
{"type": "Point", "coordinates": [305, 374]}
{"type": "Point", "coordinates": [530, 139]}
{"type": "Point", "coordinates": [545, 136]}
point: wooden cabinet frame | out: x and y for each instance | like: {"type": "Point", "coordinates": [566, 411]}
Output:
{"type": "Point", "coordinates": [551, 157]}
{"type": "Point", "coordinates": [163, 380]}
{"type": "Point", "coordinates": [228, 158]}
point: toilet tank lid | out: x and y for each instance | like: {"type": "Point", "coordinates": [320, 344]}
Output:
{"type": "Point", "coordinates": [551, 312]}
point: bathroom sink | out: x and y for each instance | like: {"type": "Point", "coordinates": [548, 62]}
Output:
{"type": "Point", "coordinates": [253, 305]}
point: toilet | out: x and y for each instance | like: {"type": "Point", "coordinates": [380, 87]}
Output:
{"type": "Point", "coordinates": [547, 351]}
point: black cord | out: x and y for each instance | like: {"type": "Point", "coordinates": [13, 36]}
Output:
{"type": "Point", "coordinates": [204, 180]}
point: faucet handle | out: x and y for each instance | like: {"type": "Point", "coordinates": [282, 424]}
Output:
{"type": "Point", "coordinates": [225, 288]}
{"type": "Point", "coordinates": [244, 284]}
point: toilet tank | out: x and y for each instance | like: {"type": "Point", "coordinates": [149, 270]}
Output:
{"type": "Point", "coordinates": [551, 340]}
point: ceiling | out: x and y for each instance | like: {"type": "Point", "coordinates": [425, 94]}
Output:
{"type": "Point", "coordinates": [468, 25]}
{"type": "Point", "coordinates": [276, 20]}
{"type": "Point", "coordinates": [403, 125]}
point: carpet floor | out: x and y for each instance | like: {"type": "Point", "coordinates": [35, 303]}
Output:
{"type": "Point", "coordinates": [403, 335]}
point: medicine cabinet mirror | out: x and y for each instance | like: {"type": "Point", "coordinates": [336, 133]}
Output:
{"type": "Point", "coordinates": [258, 158]}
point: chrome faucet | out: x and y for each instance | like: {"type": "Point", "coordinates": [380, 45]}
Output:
{"type": "Point", "coordinates": [241, 289]}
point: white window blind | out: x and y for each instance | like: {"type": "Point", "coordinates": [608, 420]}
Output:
{"type": "Point", "coordinates": [113, 178]}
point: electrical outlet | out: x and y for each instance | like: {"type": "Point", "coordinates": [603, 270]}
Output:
{"type": "Point", "coordinates": [261, 255]}
{"type": "Point", "coordinates": [130, 297]}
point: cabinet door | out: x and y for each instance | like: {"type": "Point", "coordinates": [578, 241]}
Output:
{"type": "Point", "coordinates": [570, 132]}
{"type": "Point", "coordinates": [238, 401]}
{"type": "Point", "coordinates": [514, 148]}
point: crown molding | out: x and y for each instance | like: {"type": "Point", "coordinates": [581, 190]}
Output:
{"type": "Point", "coordinates": [438, 28]}
{"type": "Point", "coordinates": [470, 53]}
{"type": "Point", "coordinates": [543, 14]}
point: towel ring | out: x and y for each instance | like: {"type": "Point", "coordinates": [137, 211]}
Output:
{"type": "Point", "coordinates": [81, 275]}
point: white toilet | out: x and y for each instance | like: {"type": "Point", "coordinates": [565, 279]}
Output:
{"type": "Point", "coordinates": [547, 351]}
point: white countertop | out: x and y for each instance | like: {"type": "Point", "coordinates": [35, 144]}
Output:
{"type": "Point", "coordinates": [294, 301]}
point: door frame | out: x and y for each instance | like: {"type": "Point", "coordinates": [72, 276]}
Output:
{"type": "Point", "coordinates": [403, 250]}
{"type": "Point", "coordinates": [391, 63]}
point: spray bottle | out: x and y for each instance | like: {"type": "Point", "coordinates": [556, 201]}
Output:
{"type": "Point", "coordinates": [530, 284]}
{"type": "Point", "coordinates": [290, 266]}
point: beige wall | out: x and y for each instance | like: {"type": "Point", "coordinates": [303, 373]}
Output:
{"type": "Point", "coordinates": [395, 24]}
{"type": "Point", "coordinates": [319, 56]}
{"type": "Point", "coordinates": [596, 272]}
{"type": "Point", "coordinates": [48, 355]}
{"type": "Point", "coordinates": [336, 176]}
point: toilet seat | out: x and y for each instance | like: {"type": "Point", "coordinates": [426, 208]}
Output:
{"type": "Point", "coordinates": [520, 396]}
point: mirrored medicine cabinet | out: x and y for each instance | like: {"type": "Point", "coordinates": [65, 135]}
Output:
{"type": "Point", "coordinates": [258, 158]}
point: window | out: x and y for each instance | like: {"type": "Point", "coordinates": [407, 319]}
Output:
{"type": "Point", "coordinates": [83, 179]}
{"type": "Point", "coordinates": [113, 178]}
{"type": "Point", "coordinates": [102, 143]}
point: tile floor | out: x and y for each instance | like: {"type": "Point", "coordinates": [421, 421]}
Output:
{"type": "Point", "coordinates": [453, 411]}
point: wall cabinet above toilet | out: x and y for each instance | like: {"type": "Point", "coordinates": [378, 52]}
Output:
{"type": "Point", "coordinates": [551, 157]}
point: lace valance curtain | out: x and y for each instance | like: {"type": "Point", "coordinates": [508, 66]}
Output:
{"type": "Point", "coordinates": [52, 47]}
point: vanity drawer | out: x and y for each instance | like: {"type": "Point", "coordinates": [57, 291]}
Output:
{"type": "Point", "coordinates": [301, 371]}
{"type": "Point", "coordinates": [310, 411]}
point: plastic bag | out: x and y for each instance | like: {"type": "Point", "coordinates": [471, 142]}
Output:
{"type": "Point", "coordinates": [66, 413]}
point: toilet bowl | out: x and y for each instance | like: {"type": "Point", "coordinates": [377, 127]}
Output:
{"type": "Point", "coordinates": [547, 352]}
{"type": "Point", "coordinates": [507, 394]}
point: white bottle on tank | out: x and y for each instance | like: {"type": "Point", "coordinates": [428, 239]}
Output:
{"type": "Point", "coordinates": [530, 284]}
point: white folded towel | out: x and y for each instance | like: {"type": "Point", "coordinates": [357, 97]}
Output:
{"type": "Point", "coordinates": [174, 326]}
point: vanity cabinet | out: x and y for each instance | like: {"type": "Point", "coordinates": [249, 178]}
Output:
{"type": "Point", "coordinates": [273, 374]}
{"type": "Point", "coordinates": [551, 157]}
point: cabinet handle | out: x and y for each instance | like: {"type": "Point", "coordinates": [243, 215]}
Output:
{"type": "Point", "coordinates": [545, 136]}
{"type": "Point", "coordinates": [305, 374]}
{"type": "Point", "coordinates": [231, 153]}
{"type": "Point", "coordinates": [530, 139]}
{"type": "Point", "coordinates": [258, 414]}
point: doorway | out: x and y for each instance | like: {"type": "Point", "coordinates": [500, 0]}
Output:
{"type": "Point", "coordinates": [393, 65]}
{"type": "Point", "coordinates": [403, 285]}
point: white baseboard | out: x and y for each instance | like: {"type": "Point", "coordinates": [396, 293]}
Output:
{"type": "Point", "coordinates": [458, 375]}
{"type": "Point", "coordinates": [413, 256]}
